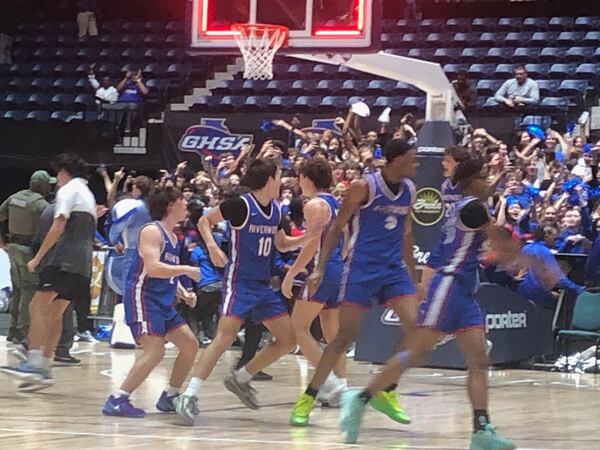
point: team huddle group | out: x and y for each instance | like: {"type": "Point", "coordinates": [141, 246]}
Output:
{"type": "Point", "coordinates": [355, 255]}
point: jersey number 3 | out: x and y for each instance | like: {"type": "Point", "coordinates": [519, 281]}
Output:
{"type": "Point", "coordinates": [264, 246]}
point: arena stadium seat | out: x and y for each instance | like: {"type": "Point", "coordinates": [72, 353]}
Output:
{"type": "Point", "coordinates": [559, 71]}
{"type": "Point", "coordinates": [504, 71]}
{"type": "Point", "coordinates": [41, 84]}
{"type": "Point", "coordinates": [66, 116]}
{"type": "Point", "coordinates": [587, 71]}
{"type": "Point", "coordinates": [573, 87]}
{"type": "Point", "coordinates": [13, 101]}
{"type": "Point", "coordinates": [83, 85]}
{"type": "Point", "coordinates": [446, 55]}
{"type": "Point", "coordinates": [537, 70]}
{"type": "Point", "coordinates": [84, 102]}
{"type": "Point", "coordinates": [526, 54]}
{"type": "Point", "coordinates": [548, 88]}
{"type": "Point", "coordinates": [561, 23]}
{"type": "Point", "coordinates": [552, 54]}
{"type": "Point", "coordinates": [580, 54]}
{"type": "Point", "coordinates": [489, 39]}
{"type": "Point", "coordinates": [332, 87]}
{"type": "Point", "coordinates": [303, 87]}
{"type": "Point", "coordinates": [64, 102]}
{"type": "Point", "coordinates": [592, 38]}
{"type": "Point", "coordinates": [585, 23]}
{"type": "Point", "coordinates": [334, 102]}
{"type": "Point", "coordinates": [38, 101]}
{"type": "Point", "coordinates": [65, 85]}
{"type": "Point", "coordinates": [133, 55]}
{"type": "Point", "coordinates": [254, 102]}
{"type": "Point", "coordinates": [64, 70]}
{"type": "Point", "coordinates": [20, 84]}
{"type": "Point", "coordinates": [543, 121]}
{"type": "Point", "coordinates": [473, 55]}
{"type": "Point", "coordinates": [543, 38]}
{"type": "Point", "coordinates": [457, 25]}
{"type": "Point", "coordinates": [452, 70]}
{"type": "Point", "coordinates": [43, 70]}
{"type": "Point", "coordinates": [499, 55]}
{"type": "Point", "coordinates": [488, 87]}
{"type": "Point", "coordinates": [421, 53]}
{"type": "Point", "coordinates": [278, 87]}
{"type": "Point", "coordinates": [431, 25]}
{"type": "Point", "coordinates": [510, 24]}
{"type": "Point", "coordinates": [40, 116]}
{"type": "Point", "coordinates": [480, 71]}
{"type": "Point", "coordinates": [484, 23]}
{"type": "Point", "coordinates": [517, 38]}
{"type": "Point", "coordinates": [413, 104]}
{"type": "Point", "coordinates": [535, 23]}
{"type": "Point", "coordinates": [392, 102]}
{"type": "Point", "coordinates": [15, 115]}
{"type": "Point", "coordinates": [88, 55]}
{"type": "Point", "coordinates": [570, 38]}
{"type": "Point", "coordinates": [550, 104]}
{"type": "Point", "coordinates": [155, 55]}
{"type": "Point", "coordinates": [282, 102]}
{"type": "Point", "coordinates": [463, 40]}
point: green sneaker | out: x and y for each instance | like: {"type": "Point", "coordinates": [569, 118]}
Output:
{"type": "Point", "coordinates": [489, 440]}
{"type": "Point", "coordinates": [387, 403]}
{"type": "Point", "coordinates": [353, 409]}
{"type": "Point", "coordinates": [301, 410]}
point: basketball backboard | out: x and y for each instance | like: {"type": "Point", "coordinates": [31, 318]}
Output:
{"type": "Point", "coordinates": [336, 26]}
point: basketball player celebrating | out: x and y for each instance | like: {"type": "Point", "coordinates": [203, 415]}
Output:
{"type": "Point", "coordinates": [255, 223]}
{"type": "Point", "coordinates": [450, 308]}
{"type": "Point", "coordinates": [380, 265]}
{"type": "Point", "coordinates": [319, 214]}
{"type": "Point", "coordinates": [151, 287]}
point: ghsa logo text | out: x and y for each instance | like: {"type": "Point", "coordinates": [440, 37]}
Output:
{"type": "Point", "coordinates": [212, 137]}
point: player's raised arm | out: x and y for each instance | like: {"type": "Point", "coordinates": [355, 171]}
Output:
{"type": "Point", "coordinates": [150, 246]}
{"type": "Point", "coordinates": [205, 226]}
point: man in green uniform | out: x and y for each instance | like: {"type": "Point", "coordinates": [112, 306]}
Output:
{"type": "Point", "coordinates": [23, 210]}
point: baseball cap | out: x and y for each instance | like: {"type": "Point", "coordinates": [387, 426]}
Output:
{"type": "Point", "coordinates": [41, 176]}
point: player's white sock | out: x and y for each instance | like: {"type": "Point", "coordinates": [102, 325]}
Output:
{"type": "Point", "coordinates": [35, 358]}
{"type": "Point", "coordinates": [122, 393]}
{"type": "Point", "coordinates": [171, 391]}
{"type": "Point", "coordinates": [194, 387]}
{"type": "Point", "coordinates": [243, 375]}
{"type": "Point", "coordinates": [47, 362]}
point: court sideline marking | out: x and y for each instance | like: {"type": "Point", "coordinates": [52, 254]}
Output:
{"type": "Point", "coordinates": [232, 440]}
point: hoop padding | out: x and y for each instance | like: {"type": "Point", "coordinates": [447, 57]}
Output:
{"type": "Point", "coordinates": [259, 43]}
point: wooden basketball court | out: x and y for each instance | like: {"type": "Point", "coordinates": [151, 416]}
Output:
{"type": "Point", "coordinates": [539, 410]}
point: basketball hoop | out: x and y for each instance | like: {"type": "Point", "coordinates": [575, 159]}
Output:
{"type": "Point", "coordinates": [259, 42]}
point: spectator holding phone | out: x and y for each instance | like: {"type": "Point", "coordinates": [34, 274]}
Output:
{"type": "Point", "coordinates": [131, 93]}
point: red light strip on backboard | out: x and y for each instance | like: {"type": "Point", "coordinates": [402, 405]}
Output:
{"type": "Point", "coordinates": [338, 32]}
{"type": "Point", "coordinates": [204, 24]}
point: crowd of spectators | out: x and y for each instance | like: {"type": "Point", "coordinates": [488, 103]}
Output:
{"type": "Point", "coordinates": [544, 185]}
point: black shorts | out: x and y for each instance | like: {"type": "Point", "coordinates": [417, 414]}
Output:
{"type": "Point", "coordinates": [68, 286]}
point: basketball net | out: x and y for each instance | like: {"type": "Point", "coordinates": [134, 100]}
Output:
{"type": "Point", "coordinates": [259, 43]}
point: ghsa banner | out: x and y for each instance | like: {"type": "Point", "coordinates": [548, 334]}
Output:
{"type": "Point", "coordinates": [213, 138]}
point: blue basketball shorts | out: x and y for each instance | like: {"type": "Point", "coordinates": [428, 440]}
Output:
{"type": "Point", "coordinates": [449, 306]}
{"type": "Point", "coordinates": [328, 292]}
{"type": "Point", "coordinates": [364, 289]}
{"type": "Point", "coordinates": [252, 300]}
{"type": "Point", "coordinates": [152, 321]}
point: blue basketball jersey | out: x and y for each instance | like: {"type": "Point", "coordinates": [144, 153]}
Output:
{"type": "Point", "coordinates": [451, 194]}
{"type": "Point", "coordinates": [335, 259]}
{"type": "Point", "coordinates": [377, 229]}
{"type": "Point", "coordinates": [460, 249]}
{"type": "Point", "coordinates": [251, 245]}
{"type": "Point", "coordinates": [141, 289]}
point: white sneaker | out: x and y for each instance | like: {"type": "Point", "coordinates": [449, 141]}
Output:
{"type": "Point", "coordinates": [86, 336]}
{"type": "Point", "coordinates": [331, 391]}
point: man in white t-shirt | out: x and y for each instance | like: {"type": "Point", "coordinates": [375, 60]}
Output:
{"type": "Point", "coordinates": [64, 259]}
{"type": "Point", "coordinates": [5, 282]}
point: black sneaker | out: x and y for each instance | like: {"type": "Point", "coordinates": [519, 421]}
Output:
{"type": "Point", "coordinates": [66, 361]}
{"type": "Point", "coordinates": [261, 376]}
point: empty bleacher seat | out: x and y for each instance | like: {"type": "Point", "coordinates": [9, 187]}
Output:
{"type": "Point", "coordinates": [43, 69]}
{"type": "Point", "coordinates": [587, 71]}
{"type": "Point", "coordinates": [431, 25]}
{"type": "Point", "coordinates": [570, 38]}
{"type": "Point", "coordinates": [446, 55]}
{"type": "Point", "coordinates": [591, 38]}
{"type": "Point", "coordinates": [488, 87]}
{"type": "Point", "coordinates": [473, 55]}
{"type": "Point", "coordinates": [282, 102]}
{"type": "Point", "coordinates": [554, 103]}
{"type": "Point", "coordinates": [559, 71]}
{"type": "Point", "coordinates": [40, 116]}
{"type": "Point", "coordinates": [65, 84]}
{"type": "Point", "coordinates": [457, 25]}
{"type": "Point", "coordinates": [580, 54]}
{"type": "Point", "coordinates": [517, 38]}
{"type": "Point", "coordinates": [336, 102]}
{"type": "Point", "coordinates": [535, 23]}
{"type": "Point", "coordinates": [585, 23]}
{"type": "Point", "coordinates": [526, 54]}
{"type": "Point", "coordinates": [65, 102]}
{"type": "Point", "coordinates": [573, 87]}
{"type": "Point", "coordinates": [490, 39]}
{"type": "Point", "coordinates": [328, 87]}
{"type": "Point", "coordinates": [548, 88]}
{"type": "Point", "coordinates": [484, 23]}
{"type": "Point", "coordinates": [499, 55]}
{"type": "Point", "coordinates": [479, 71]}
{"type": "Point", "coordinates": [413, 103]}
{"type": "Point", "coordinates": [13, 101]}
{"type": "Point", "coordinates": [543, 38]}
{"type": "Point", "coordinates": [537, 70]}
{"type": "Point", "coordinates": [552, 54]}
{"type": "Point", "coordinates": [421, 53]}
{"type": "Point", "coordinates": [15, 115]}
{"type": "Point", "coordinates": [84, 102]}
{"type": "Point", "coordinates": [451, 70]}
{"type": "Point", "coordinates": [386, 101]}
{"type": "Point", "coordinates": [561, 23]}
{"type": "Point", "coordinates": [37, 101]}
{"type": "Point", "coordinates": [510, 24]}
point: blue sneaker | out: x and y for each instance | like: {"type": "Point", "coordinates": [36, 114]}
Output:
{"type": "Point", "coordinates": [24, 371]}
{"type": "Point", "coordinates": [353, 409]}
{"type": "Point", "coordinates": [121, 406]}
{"type": "Point", "coordinates": [165, 403]}
{"type": "Point", "coordinates": [34, 385]}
